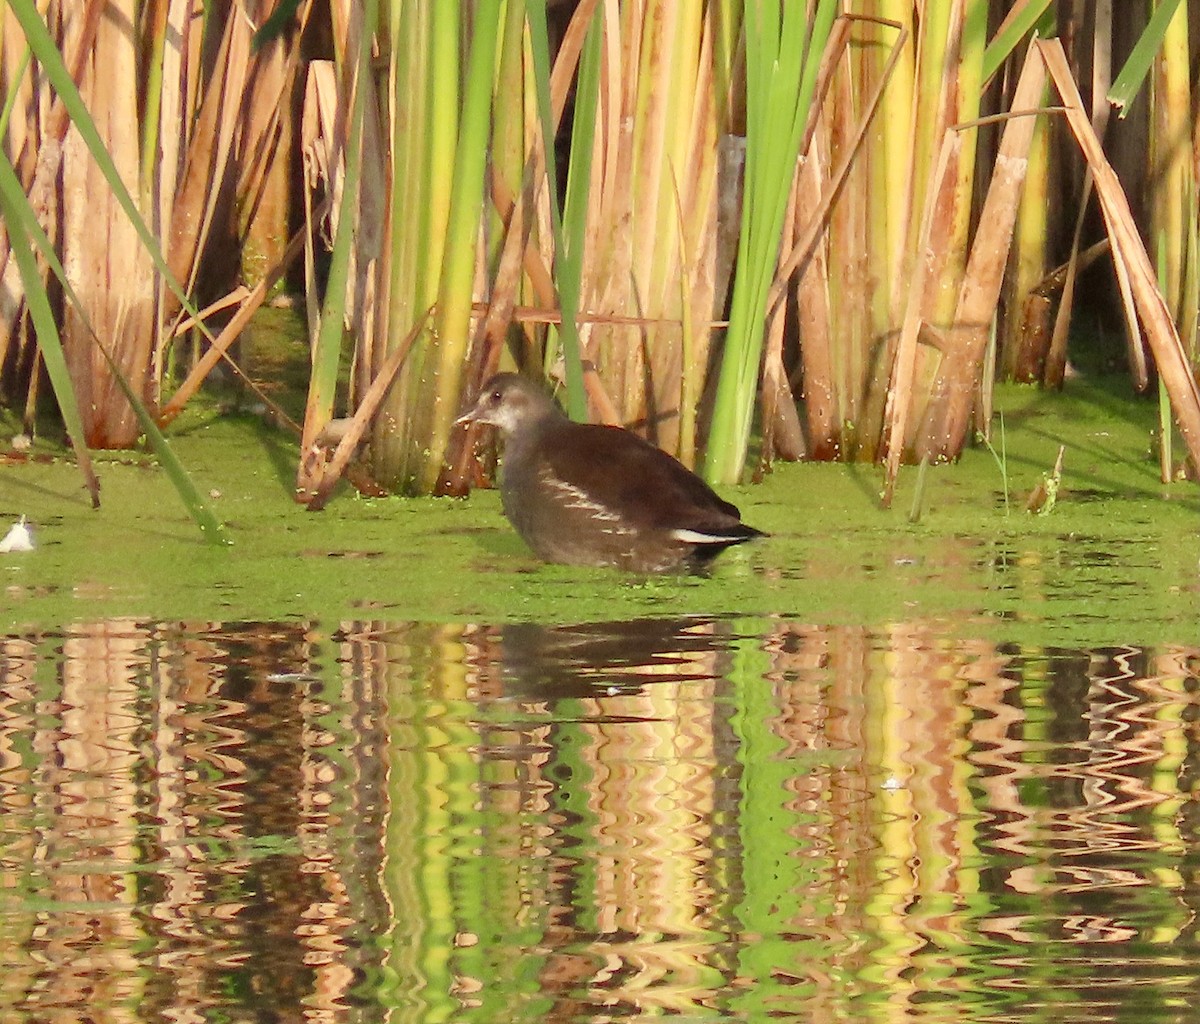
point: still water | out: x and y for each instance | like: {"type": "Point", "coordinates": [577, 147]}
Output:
{"type": "Point", "coordinates": [703, 819]}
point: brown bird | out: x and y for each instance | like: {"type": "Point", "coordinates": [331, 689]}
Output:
{"type": "Point", "coordinates": [587, 494]}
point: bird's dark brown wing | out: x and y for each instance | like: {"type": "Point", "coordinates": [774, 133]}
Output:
{"type": "Point", "coordinates": [633, 479]}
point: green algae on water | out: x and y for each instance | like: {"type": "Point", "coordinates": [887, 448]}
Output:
{"type": "Point", "coordinates": [1115, 561]}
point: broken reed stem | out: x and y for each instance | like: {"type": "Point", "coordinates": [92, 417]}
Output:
{"type": "Point", "coordinates": [918, 502]}
{"type": "Point", "coordinates": [947, 420]}
{"type": "Point", "coordinates": [899, 396]}
{"type": "Point", "coordinates": [1169, 355]}
{"type": "Point", "coordinates": [322, 482]}
{"type": "Point", "coordinates": [219, 349]}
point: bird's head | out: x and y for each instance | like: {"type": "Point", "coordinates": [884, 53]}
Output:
{"type": "Point", "coordinates": [508, 401]}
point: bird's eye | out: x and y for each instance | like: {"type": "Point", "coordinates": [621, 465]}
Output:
{"type": "Point", "coordinates": [495, 395]}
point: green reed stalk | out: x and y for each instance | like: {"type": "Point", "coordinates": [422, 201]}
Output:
{"type": "Point", "coordinates": [783, 50]}
{"type": "Point", "coordinates": [930, 118]}
{"type": "Point", "coordinates": [1022, 17]}
{"type": "Point", "coordinates": [153, 93]}
{"type": "Point", "coordinates": [440, 65]}
{"type": "Point", "coordinates": [1137, 65]}
{"type": "Point", "coordinates": [726, 19]}
{"type": "Point", "coordinates": [414, 143]}
{"type": "Point", "coordinates": [452, 318]}
{"type": "Point", "coordinates": [327, 346]}
{"type": "Point", "coordinates": [14, 77]}
{"type": "Point", "coordinates": [507, 148]}
{"type": "Point", "coordinates": [277, 21]}
{"type": "Point", "coordinates": [568, 225]}
{"type": "Point", "coordinates": [1022, 356]}
{"type": "Point", "coordinates": [1173, 200]}
{"type": "Point", "coordinates": [423, 41]}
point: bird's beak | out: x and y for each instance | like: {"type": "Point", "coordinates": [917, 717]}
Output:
{"type": "Point", "coordinates": [472, 415]}
{"type": "Point", "coordinates": [480, 413]}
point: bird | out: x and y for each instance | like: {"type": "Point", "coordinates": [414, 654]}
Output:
{"type": "Point", "coordinates": [592, 494]}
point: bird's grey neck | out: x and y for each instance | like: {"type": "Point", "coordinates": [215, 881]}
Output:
{"type": "Point", "coordinates": [530, 424]}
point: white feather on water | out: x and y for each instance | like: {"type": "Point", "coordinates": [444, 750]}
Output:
{"type": "Point", "coordinates": [18, 538]}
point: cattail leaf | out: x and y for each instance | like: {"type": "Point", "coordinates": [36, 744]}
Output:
{"type": "Point", "coordinates": [783, 51]}
{"type": "Point", "coordinates": [276, 23]}
{"type": "Point", "coordinates": [1137, 65]}
{"type": "Point", "coordinates": [568, 237]}
{"type": "Point", "coordinates": [23, 228]}
{"type": "Point", "coordinates": [1017, 24]}
{"type": "Point", "coordinates": [17, 215]}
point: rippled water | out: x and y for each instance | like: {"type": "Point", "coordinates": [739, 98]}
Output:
{"type": "Point", "coordinates": [699, 818]}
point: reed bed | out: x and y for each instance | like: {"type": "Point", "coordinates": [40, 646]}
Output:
{"type": "Point", "coordinates": [831, 226]}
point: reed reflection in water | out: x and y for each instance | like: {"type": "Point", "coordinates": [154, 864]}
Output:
{"type": "Point", "coordinates": [703, 818]}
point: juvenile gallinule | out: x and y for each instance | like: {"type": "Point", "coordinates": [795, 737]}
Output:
{"type": "Point", "coordinates": [587, 494]}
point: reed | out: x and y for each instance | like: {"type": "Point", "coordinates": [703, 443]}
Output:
{"type": "Point", "coordinates": [19, 222]}
{"type": "Point", "coordinates": [952, 397]}
{"type": "Point", "coordinates": [102, 130]}
{"type": "Point", "coordinates": [443, 372]}
{"type": "Point", "coordinates": [22, 227]}
{"type": "Point", "coordinates": [438, 131]}
{"type": "Point", "coordinates": [1173, 214]}
{"type": "Point", "coordinates": [869, 273]}
{"type": "Point", "coordinates": [783, 50]}
{"type": "Point", "coordinates": [327, 341]}
{"type": "Point", "coordinates": [1025, 320]}
{"type": "Point", "coordinates": [568, 225]}
{"type": "Point", "coordinates": [1149, 305]}
{"type": "Point", "coordinates": [657, 119]}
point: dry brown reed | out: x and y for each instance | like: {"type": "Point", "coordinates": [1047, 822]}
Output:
{"type": "Point", "coordinates": [909, 269]}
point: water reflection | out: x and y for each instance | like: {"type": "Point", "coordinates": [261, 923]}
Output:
{"type": "Point", "coordinates": [699, 817]}
{"type": "Point", "coordinates": [606, 657]}
{"type": "Point", "coordinates": [167, 841]}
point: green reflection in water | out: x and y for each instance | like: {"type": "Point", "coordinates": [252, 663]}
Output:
{"type": "Point", "coordinates": [699, 818]}
{"type": "Point", "coordinates": [779, 891]}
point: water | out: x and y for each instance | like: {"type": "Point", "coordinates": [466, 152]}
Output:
{"type": "Point", "coordinates": [698, 818]}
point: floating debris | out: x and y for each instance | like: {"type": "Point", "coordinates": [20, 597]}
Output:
{"type": "Point", "coordinates": [292, 677]}
{"type": "Point", "coordinates": [1045, 495]}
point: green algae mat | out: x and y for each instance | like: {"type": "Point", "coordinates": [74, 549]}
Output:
{"type": "Point", "coordinates": [1114, 561]}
